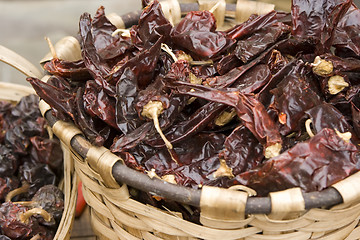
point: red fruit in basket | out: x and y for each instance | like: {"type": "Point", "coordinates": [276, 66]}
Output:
{"type": "Point", "coordinates": [80, 201]}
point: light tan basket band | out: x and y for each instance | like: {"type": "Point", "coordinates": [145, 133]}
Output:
{"type": "Point", "coordinates": [102, 160]}
{"type": "Point", "coordinates": [290, 200]}
{"type": "Point", "coordinates": [15, 60]}
{"type": "Point", "coordinates": [245, 8]}
{"type": "Point", "coordinates": [14, 92]}
{"type": "Point", "coordinates": [65, 131]}
{"type": "Point", "coordinates": [44, 107]}
{"type": "Point", "coordinates": [222, 204]}
{"type": "Point", "coordinates": [219, 11]}
{"type": "Point", "coordinates": [349, 188]}
{"type": "Point", "coordinates": [171, 10]}
{"type": "Point", "coordinates": [116, 20]}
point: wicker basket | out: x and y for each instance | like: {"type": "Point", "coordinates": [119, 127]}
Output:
{"type": "Point", "coordinates": [14, 92]}
{"type": "Point", "coordinates": [225, 213]}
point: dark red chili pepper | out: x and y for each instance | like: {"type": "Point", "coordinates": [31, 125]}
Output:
{"type": "Point", "coordinates": [48, 151]}
{"type": "Point", "coordinates": [93, 62]}
{"type": "Point", "coordinates": [76, 71]}
{"type": "Point", "coordinates": [8, 161]}
{"type": "Point", "coordinates": [305, 165]}
{"type": "Point", "coordinates": [242, 151]}
{"type": "Point", "coordinates": [252, 25]}
{"type": "Point", "coordinates": [196, 33]}
{"type": "Point", "coordinates": [51, 199]}
{"type": "Point", "coordinates": [142, 65]}
{"type": "Point", "coordinates": [346, 34]}
{"type": "Point", "coordinates": [94, 130]}
{"type": "Point", "coordinates": [316, 21]}
{"type": "Point", "coordinates": [36, 175]}
{"type": "Point", "coordinates": [152, 25]}
{"type": "Point", "coordinates": [98, 103]}
{"type": "Point", "coordinates": [292, 97]}
{"type": "Point", "coordinates": [249, 110]}
{"type": "Point", "coordinates": [55, 97]}
{"type": "Point", "coordinates": [107, 44]}
{"type": "Point", "coordinates": [250, 47]}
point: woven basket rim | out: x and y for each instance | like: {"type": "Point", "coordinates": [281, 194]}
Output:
{"type": "Point", "coordinates": [329, 197]}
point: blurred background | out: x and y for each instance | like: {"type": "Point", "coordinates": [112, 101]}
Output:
{"type": "Point", "coordinates": [25, 23]}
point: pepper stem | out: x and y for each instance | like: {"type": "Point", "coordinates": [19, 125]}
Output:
{"type": "Point", "coordinates": [337, 84]}
{"type": "Point", "coordinates": [36, 237]}
{"type": "Point", "coordinates": [223, 171]}
{"type": "Point", "coordinates": [273, 150]}
{"type": "Point", "coordinates": [322, 67]}
{"type": "Point", "coordinates": [25, 203]}
{"type": "Point", "coordinates": [23, 189]}
{"type": "Point", "coordinates": [200, 63]}
{"type": "Point", "coordinates": [152, 110]}
{"type": "Point", "coordinates": [123, 32]}
{"type": "Point", "coordinates": [308, 128]}
{"type": "Point", "coordinates": [52, 48]}
{"type": "Point", "coordinates": [168, 50]}
{"type": "Point", "coordinates": [346, 136]}
{"type": "Point", "coordinates": [24, 217]}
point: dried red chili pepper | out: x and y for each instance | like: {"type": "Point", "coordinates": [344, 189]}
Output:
{"type": "Point", "coordinates": [152, 25]}
{"type": "Point", "coordinates": [196, 33]}
{"type": "Point", "coordinates": [253, 24]}
{"type": "Point", "coordinates": [94, 130]}
{"type": "Point", "coordinates": [249, 110]}
{"type": "Point", "coordinates": [8, 161]}
{"type": "Point", "coordinates": [292, 97]}
{"type": "Point", "coordinates": [107, 44]}
{"type": "Point", "coordinates": [93, 62]}
{"type": "Point", "coordinates": [62, 101]}
{"type": "Point", "coordinates": [346, 34]}
{"type": "Point", "coordinates": [76, 71]}
{"type": "Point", "coordinates": [316, 21]}
{"type": "Point", "coordinates": [36, 175]}
{"type": "Point", "coordinates": [98, 103]}
{"type": "Point", "coordinates": [48, 151]}
{"type": "Point", "coordinates": [242, 151]}
{"type": "Point", "coordinates": [261, 40]}
{"type": "Point", "coordinates": [305, 165]}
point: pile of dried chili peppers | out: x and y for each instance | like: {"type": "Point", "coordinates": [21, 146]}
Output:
{"type": "Point", "coordinates": [31, 166]}
{"type": "Point", "coordinates": [271, 103]}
